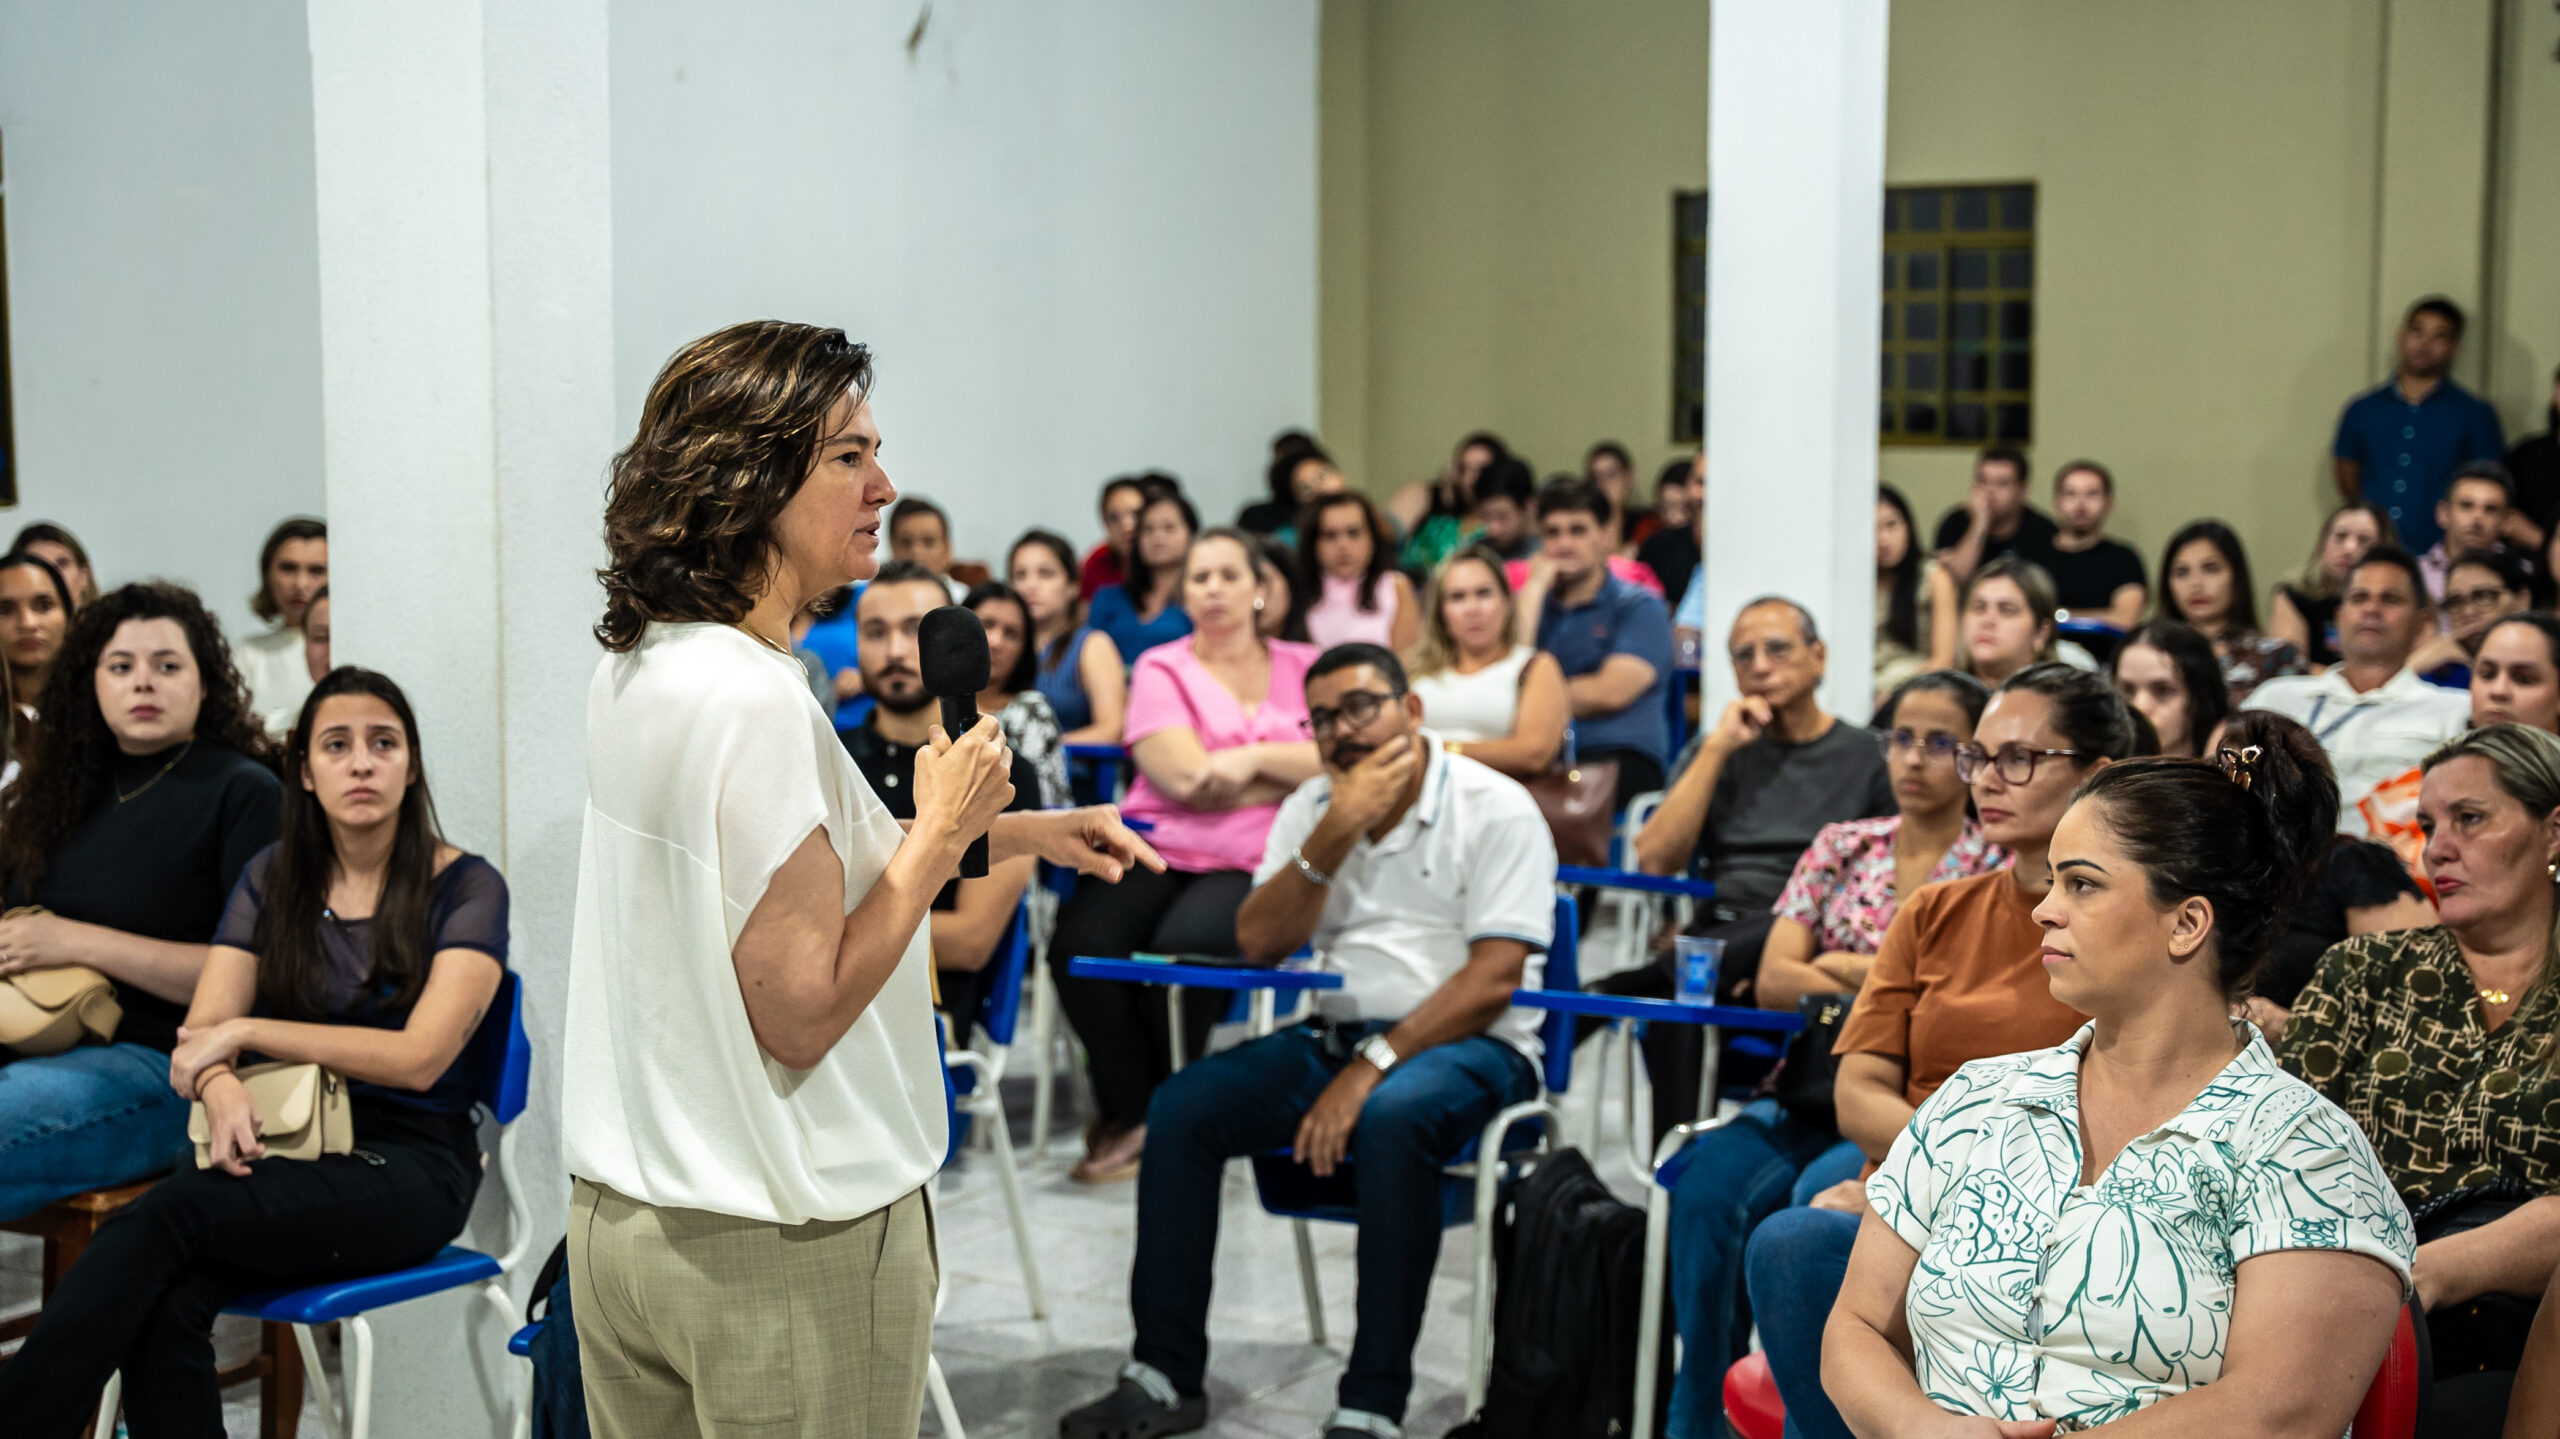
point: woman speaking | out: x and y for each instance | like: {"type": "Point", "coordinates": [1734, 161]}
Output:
{"type": "Point", "coordinates": [754, 1094]}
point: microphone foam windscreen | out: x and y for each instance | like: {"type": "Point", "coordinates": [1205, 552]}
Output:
{"type": "Point", "coordinates": [951, 647]}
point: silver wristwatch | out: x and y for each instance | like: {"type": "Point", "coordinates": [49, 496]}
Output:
{"type": "Point", "coordinates": [1378, 1052]}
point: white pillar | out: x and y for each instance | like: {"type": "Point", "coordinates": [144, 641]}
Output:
{"type": "Point", "coordinates": [1796, 166]}
{"type": "Point", "coordinates": [466, 289]}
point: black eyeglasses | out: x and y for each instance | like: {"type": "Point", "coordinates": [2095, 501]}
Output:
{"type": "Point", "coordinates": [2016, 763]}
{"type": "Point", "coordinates": [2465, 601]}
{"type": "Point", "coordinates": [1936, 748]}
{"type": "Point", "coordinates": [1357, 708]}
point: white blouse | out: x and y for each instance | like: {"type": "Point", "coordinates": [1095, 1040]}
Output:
{"type": "Point", "coordinates": [708, 762]}
{"type": "Point", "coordinates": [1481, 706]}
{"type": "Point", "coordinates": [272, 664]}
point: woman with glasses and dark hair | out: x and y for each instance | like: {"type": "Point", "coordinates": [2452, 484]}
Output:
{"type": "Point", "coordinates": [1830, 919]}
{"type": "Point", "coordinates": [2168, 673]}
{"type": "Point", "coordinates": [2515, 678]}
{"type": "Point", "coordinates": [2204, 581]}
{"type": "Point", "coordinates": [2481, 587]}
{"type": "Point", "coordinates": [1958, 978]}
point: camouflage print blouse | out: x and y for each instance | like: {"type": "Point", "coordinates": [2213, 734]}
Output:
{"type": "Point", "coordinates": [2390, 1031]}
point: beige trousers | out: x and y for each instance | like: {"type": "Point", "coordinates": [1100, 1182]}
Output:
{"type": "Point", "coordinates": [691, 1323]}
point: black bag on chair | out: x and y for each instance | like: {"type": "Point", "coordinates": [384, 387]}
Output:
{"type": "Point", "coordinates": [1803, 1080]}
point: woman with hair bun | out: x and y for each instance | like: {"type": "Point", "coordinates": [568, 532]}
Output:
{"type": "Point", "coordinates": [2145, 1217]}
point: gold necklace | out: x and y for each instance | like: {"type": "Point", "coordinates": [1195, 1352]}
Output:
{"type": "Point", "coordinates": [2492, 996]}
{"type": "Point", "coordinates": [782, 650]}
{"type": "Point", "coordinates": [122, 797]}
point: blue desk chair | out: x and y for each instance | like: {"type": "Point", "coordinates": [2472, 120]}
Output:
{"type": "Point", "coordinates": [503, 1057]}
{"type": "Point", "coordinates": [975, 1078]}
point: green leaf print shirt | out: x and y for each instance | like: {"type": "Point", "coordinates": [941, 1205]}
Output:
{"type": "Point", "coordinates": [2036, 1297]}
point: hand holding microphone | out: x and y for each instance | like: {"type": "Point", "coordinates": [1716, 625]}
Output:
{"type": "Point", "coordinates": [968, 774]}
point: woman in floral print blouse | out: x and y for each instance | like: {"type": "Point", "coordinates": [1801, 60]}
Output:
{"type": "Point", "coordinates": [2136, 1229]}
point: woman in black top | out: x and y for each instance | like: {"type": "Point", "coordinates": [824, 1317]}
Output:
{"type": "Point", "coordinates": [363, 942]}
{"type": "Point", "coordinates": [147, 788]}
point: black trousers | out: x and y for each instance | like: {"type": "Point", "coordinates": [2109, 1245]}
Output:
{"type": "Point", "coordinates": [1127, 1042]}
{"type": "Point", "coordinates": [143, 1297]}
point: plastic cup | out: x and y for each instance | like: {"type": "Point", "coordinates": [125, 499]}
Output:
{"type": "Point", "coordinates": [1697, 961]}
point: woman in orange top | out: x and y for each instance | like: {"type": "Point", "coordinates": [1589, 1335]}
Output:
{"type": "Point", "coordinates": [1959, 978]}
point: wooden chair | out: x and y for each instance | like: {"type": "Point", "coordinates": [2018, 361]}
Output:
{"type": "Point", "coordinates": [67, 1226]}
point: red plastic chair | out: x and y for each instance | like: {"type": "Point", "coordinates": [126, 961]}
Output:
{"type": "Point", "coordinates": [1751, 1402]}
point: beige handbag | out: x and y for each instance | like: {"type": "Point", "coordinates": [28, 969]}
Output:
{"type": "Point", "coordinates": [46, 1011]}
{"type": "Point", "coordinates": [303, 1113]}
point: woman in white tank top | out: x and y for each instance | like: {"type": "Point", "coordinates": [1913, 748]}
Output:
{"type": "Point", "coordinates": [1496, 701]}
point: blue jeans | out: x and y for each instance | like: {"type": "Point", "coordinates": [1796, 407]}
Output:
{"type": "Point", "coordinates": [1248, 1100]}
{"type": "Point", "coordinates": [88, 1118]}
{"type": "Point", "coordinates": [1795, 1266]}
{"type": "Point", "coordinates": [1737, 1176]}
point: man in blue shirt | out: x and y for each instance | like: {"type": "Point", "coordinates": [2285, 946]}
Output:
{"type": "Point", "coordinates": [2400, 443]}
{"type": "Point", "coordinates": [1612, 638]}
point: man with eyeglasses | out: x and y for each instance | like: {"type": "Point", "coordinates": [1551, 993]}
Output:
{"type": "Point", "coordinates": [2372, 712]}
{"type": "Point", "coordinates": [1427, 881]}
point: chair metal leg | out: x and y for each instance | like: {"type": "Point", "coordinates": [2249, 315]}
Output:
{"type": "Point", "coordinates": [1603, 1049]}
{"type": "Point", "coordinates": [1173, 1014]}
{"type": "Point", "coordinates": [520, 1406]}
{"type": "Point", "coordinates": [1657, 1236]}
{"type": "Point", "coordinates": [939, 1389]}
{"type": "Point", "coordinates": [318, 1378]}
{"type": "Point", "coordinates": [1044, 1025]}
{"type": "Point", "coordinates": [1009, 1179]}
{"type": "Point", "coordinates": [1639, 1105]}
{"type": "Point", "coordinates": [110, 1400]}
{"type": "Point", "coordinates": [359, 1337]}
{"type": "Point", "coordinates": [1307, 1284]}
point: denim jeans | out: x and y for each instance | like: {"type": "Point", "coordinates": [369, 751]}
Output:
{"type": "Point", "coordinates": [1795, 1266]}
{"type": "Point", "coordinates": [87, 1118]}
{"type": "Point", "coordinates": [1737, 1176]}
{"type": "Point", "coordinates": [1248, 1100]}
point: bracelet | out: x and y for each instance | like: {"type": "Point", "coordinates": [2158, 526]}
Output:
{"type": "Point", "coordinates": [1314, 876]}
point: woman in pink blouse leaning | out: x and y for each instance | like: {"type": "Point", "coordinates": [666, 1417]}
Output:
{"type": "Point", "coordinates": [1216, 725]}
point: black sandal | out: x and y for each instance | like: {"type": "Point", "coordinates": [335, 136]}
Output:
{"type": "Point", "coordinates": [1130, 1412]}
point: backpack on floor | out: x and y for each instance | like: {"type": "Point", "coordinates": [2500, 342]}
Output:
{"type": "Point", "coordinates": [1568, 1260]}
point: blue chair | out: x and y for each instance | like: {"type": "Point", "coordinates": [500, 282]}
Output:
{"type": "Point", "coordinates": [975, 1077]}
{"type": "Point", "coordinates": [503, 1059]}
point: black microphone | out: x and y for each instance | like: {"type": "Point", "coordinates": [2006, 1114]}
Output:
{"type": "Point", "coordinates": [951, 649]}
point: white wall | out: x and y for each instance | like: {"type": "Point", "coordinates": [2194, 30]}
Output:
{"type": "Point", "coordinates": [1080, 240]}
{"type": "Point", "coordinates": [163, 282]}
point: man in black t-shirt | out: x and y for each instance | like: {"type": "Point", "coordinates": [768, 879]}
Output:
{"type": "Point", "coordinates": [2095, 578]}
{"type": "Point", "coordinates": [1680, 502]}
{"type": "Point", "coordinates": [1995, 520]}
{"type": "Point", "coordinates": [969, 915]}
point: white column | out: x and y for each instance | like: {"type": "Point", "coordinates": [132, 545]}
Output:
{"type": "Point", "coordinates": [467, 357]}
{"type": "Point", "coordinates": [1796, 167]}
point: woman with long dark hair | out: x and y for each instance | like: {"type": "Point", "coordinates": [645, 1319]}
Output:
{"type": "Point", "coordinates": [1145, 609]}
{"type": "Point", "coordinates": [148, 786]}
{"type": "Point", "coordinates": [1915, 598]}
{"type": "Point", "coordinates": [1077, 667]}
{"type": "Point", "coordinates": [2204, 581]}
{"type": "Point", "coordinates": [359, 941]}
{"type": "Point", "coordinates": [36, 606]}
{"type": "Point", "coordinates": [1431, 514]}
{"type": "Point", "coordinates": [1012, 694]}
{"type": "Point", "coordinates": [61, 549]}
{"type": "Point", "coordinates": [2169, 674]}
{"type": "Point", "coordinates": [292, 566]}
{"type": "Point", "coordinates": [1346, 567]}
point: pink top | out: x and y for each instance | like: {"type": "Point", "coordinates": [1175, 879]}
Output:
{"type": "Point", "coordinates": [1337, 619]}
{"type": "Point", "coordinates": [1842, 889]}
{"type": "Point", "coordinates": [1170, 689]}
{"type": "Point", "coordinates": [1634, 572]}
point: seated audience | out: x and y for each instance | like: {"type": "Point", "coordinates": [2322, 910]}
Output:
{"type": "Point", "coordinates": [1505, 518]}
{"type": "Point", "coordinates": [2204, 581]}
{"type": "Point", "coordinates": [1347, 559]}
{"type": "Point", "coordinates": [2471, 515]}
{"type": "Point", "coordinates": [1675, 547]}
{"type": "Point", "coordinates": [1279, 605]}
{"type": "Point", "coordinates": [1080, 671]}
{"type": "Point", "coordinates": [1959, 977]}
{"type": "Point", "coordinates": [2399, 442]}
{"type": "Point", "coordinates": [1485, 695]}
{"type": "Point", "coordinates": [2144, 1216]}
{"type": "Point", "coordinates": [2438, 1042]}
{"type": "Point", "coordinates": [2008, 619]}
{"type": "Point", "coordinates": [1829, 921]}
{"type": "Point", "coordinates": [2305, 614]}
{"type": "Point", "coordinates": [1995, 519]}
{"type": "Point", "coordinates": [920, 534]}
{"type": "Point", "coordinates": [1299, 472]}
{"type": "Point", "coordinates": [1432, 515]}
{"type": "Point", "coordinates": [2371, 711]}
{"type": "Point", "coordinates": [360, 941]}
{"type": "Point", "coordinates": [1612, 638]}
{"type": "Point", "coordinates": [292, 566]}
{"type": "Point", "coordinates": [1013, 695]}
{"type": "Point", "coordinates": [2482, 587]}
{"type": "Point", "coordinates": [1427, 881]}
{"type": "Point", "coordinates": [1107, 563]}
{"type": "Point", "coordinates": [150, 789]}
{"type": "Point", "coordinates": [2094, 577]}
{"type": "Point", "coordinates": [969, 915]}
{"type": "Point", "coordinates": [1608, 465]}
{"type": "Point", "coordinates": [1916, 605]}
{"type": "Point", "coordinates": [2515, 679]}
{"type": "Point", "coordinates": [2534, 465]}
{"type": "Point", "coordinates": [35, 613]}
{"type": "Point", "coordinates": [1145, 609]}
{"type": "Point", "coordinates": [2168, 674]}
{"type": "Point", "coordinates": [1217, 728]}
{"type": "Point", "coordinates": [61, 549]}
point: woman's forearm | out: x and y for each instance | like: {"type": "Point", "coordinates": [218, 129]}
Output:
{"type": "Point", "coordinates": [1288, 763]}
{"type": "Point", "coordinates": [395, 1058]}
{"type": "Point", "coordinates": [2512, 1255]}
{"type": "Point", "coordinates": [159, 967]}
{"type": "Point", "coordinates": [1871, 1382]}
{"type": "Point", "coordinates": [1870, 1113]}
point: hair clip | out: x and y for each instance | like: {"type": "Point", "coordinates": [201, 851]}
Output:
{"type": "Point", "coordinates": [2240, 765]}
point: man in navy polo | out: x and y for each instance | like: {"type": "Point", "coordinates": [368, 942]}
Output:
{"type": "Point", "coordinates": [1613, 638]}
{"type": "Point", "coordinates": [2400, 443]}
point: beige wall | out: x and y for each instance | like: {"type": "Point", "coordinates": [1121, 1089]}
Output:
{"type": "Point", "coordinates": [2235, 203]}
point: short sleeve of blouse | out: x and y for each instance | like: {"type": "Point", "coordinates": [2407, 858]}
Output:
{"type": "Point", "coordinates": [1156, 700]}
{"type": "Point", "coordinates": [475, 910]}
{"type": "Point", "coordinates": [2321, 1187]}
{"type": "Point", "coordinates": [770, 791]}
{"type": "Point", "coordinates": [1817, 874]}
{"type": "Point", "coordinates": [239, 927]}
{"type": "Point", "coordinates": [1906, 1187]}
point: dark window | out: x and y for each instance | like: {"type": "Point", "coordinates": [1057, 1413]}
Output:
{"type": "Point", "coordinates": [1689, 317]}
{"type": "Point", "coordinates": [8, 427]}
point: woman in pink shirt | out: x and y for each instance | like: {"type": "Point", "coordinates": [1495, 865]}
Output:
{"type": "Point", "coordinates": [1217, 726]}
{"type": "Point", "coordinates": [1352, 591]}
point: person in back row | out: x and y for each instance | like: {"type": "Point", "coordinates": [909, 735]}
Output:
{"type": "Point", "coordinates": [1145, 609]}
{"type": "Point", "coordinates": [292, 566]}
{"type": "Point", "coordinates": [1916, 602]}
{"type": "Point", "coordinates": [1486, 695]}
{"type": "Point", "coordinates": [1079, 668]}
{"type": "Point", "coordinates": [361, 941]}
{"type": "Point", "coordinates": [2204, 581]}
{"type": "Point", "coordinates": [920, 534]}
{"type": "Point", "coordinates": [151, 787]}
{"type": "Point", "coordinates": [1995, 519]}
{"type": "Point", "coordinates": [61, 549]}
{"type": "Point", "coordinates": [2399, 442]}
{"type": "Point", "coordinates": [2094, 577]}
{"type": "Point", "coordinates": [1345, 566]}
{"type": "Point", "coordinates": [1674, 550]}
{"type": "Point", "coordinates": [2472, 515]}
{"type": "Point", "coordinates": [1612, 638]}
{"type": "Point", "coordinates": [2305, 613]}
{"type": "Point", "coordinates": [1427, 881]}
{"type": "Point", "coordinates": [1506, 520]}
{"type": "Point", "coordinates": [1107, 563]}
{"type": "Point", "coordinates": [36, 606]}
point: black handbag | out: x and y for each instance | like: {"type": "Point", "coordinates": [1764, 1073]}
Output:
{"type": "Point", "coordinates": [1802, 1083]}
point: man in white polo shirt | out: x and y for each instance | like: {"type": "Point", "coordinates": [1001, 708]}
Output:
{"type": "Point", "coordinates": [1428, 882]}
{"type": "Point", "coordinates": [2371, 712]}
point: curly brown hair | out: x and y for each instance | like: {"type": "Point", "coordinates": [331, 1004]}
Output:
{"type": "Point", "coordinates": [72, 752]}
{"type": "Point", "coordinates": [727, 436]}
